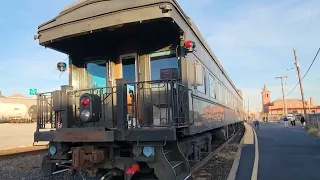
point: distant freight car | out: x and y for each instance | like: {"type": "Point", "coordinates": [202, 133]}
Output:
{"type": "Point", "coordinates": [14, 112]}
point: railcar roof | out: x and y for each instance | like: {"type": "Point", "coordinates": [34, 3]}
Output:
{"type": "Point", "coordinates": [127, 4]}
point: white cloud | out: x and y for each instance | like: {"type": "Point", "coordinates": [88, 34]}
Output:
{"type": "Point", "coordinates": [255, 40]}
{"type": "Point", "coordinates": [270, 27]}
{"type": "Point", "coordinates": [252, 39]}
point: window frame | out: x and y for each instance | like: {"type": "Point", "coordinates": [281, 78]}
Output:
{"type": "Point", "coordinates": [212, 91]}
{"type": "Point", "coordinates": [204, 79]}
{"type": "Point", "coordinates": [93, 60]}
{"type": "Point", "coordinates": [136, 65]}
{"type": "Point", "coordinates": [171, 54]}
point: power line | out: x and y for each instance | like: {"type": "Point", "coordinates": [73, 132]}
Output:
{"type": "Point", "coordinates": [305, 73]}
{"type": "Point", "coordinates": [311, 63]}
{"type": "Point", "coordinates": [306, 29]}
{"type": "Point", "coordinates": [314, 4]}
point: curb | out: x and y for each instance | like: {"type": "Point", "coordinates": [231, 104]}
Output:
{"type": "Point", "coordinates": [236, 161]}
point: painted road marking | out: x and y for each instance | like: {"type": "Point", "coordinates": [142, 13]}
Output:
{"type": "Point", "coordinates": [234, 169]}
{"type": "Point", "coordinates": [254, 175]}
{"type": "Point", "coordinates": [248, 136]}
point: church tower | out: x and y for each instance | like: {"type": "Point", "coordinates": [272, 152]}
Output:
{"type": "Point", "coordinates": [265, 99]}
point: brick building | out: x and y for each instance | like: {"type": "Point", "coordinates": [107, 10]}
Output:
{"type": "Point", "coordinates": [275, 109]}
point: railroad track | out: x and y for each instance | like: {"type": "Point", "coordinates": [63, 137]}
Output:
{"type": "Point", "coordinates": [21, 152]}
{"type": "Point", "coordinates": [204, 166]}
{"type": "Point", "coordinates": [196, 167]}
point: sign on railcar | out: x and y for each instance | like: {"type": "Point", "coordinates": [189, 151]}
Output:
{"type": "Point", "coordinates": [169, 73]}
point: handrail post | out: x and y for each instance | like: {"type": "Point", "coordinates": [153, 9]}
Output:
{"type": "Point", "coordinates": [38, 112]}
{"type": "Point", "coordinates": [66, 114]}
{"type": "Point", "coordinates": [121, 103]}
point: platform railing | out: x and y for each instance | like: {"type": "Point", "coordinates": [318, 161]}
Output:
{"type": "Point", "coordinates": [160, 103]}
{"type": "Point", "coordinates": [108, 111]}
{"type": "Point", "coordinates": [45, 114]}
{"type": "Point", "coordinates": [54, 108]}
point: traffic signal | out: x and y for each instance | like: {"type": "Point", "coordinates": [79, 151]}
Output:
{"type": "Point", "coordinates": [90, 107]}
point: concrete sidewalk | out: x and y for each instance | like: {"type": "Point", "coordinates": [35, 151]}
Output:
{"type": "Point", "coordinates": [276, 152]}
{"type": "Point", "coordinates": [247, 157]}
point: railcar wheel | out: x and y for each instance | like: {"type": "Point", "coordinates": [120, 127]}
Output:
{"type": "Point", "coordinates": [47, 168]}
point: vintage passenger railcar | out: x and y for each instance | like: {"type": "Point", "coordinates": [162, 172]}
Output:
{"type": "Point", "coordinates": [146, 95]}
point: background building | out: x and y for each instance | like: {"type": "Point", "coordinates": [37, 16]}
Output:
{"type": "Point", "coordinates": [275, 109]}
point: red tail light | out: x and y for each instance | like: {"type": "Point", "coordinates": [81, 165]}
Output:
{"type": "Point", "coordinates": [133, 169]}
{"type": "Point", "coordinates": [188, 44]}
{"type": "Point", "coordinates": [85, 101]}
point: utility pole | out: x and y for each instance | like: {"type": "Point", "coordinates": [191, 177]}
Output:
{"type": "Point", "coordinates": [244, 108]}
{"type": "Point", "coordinates": [300, 82]}
{"type": "Point", "coordinates": [283, 96]}
{"type": "Point", "coordinates": [248, 109]}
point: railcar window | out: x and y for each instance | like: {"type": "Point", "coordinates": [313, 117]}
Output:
{"type": "Point", "coordinates": [161, 62]}
{"type": "Point", "coordinates": [219, 92]}
{"type": "Point", "coordinates": [233, 102]}
{"type": "Point", "coordinates": [211, 86]}
{"type": "Point", "coordinates": [129, 68]}
{"type": "Point", "coordinates": [226, 95]}
{"type": "Point", "coordinates": [96, 74]}
{"type": "Point", "coordinates": [203, 87]}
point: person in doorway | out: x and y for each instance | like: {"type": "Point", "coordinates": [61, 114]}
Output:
{"type": "Point", "coordinates": [256, 123]}
{"type": "Point", "coordinates": [302, 121]}
{"type": "Point", "coordinates": [285, 119]}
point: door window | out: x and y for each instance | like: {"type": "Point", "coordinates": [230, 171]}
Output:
{"type": "Point", "coordinates": [129, 68]}
{"type": "Point", "coordinates": [96, 74]}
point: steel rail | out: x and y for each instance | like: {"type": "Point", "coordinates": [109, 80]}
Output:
{"type": "Point", "coordinates": [21, 152]}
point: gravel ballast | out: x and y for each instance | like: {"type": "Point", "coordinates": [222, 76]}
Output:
{"type": "Point", "coordinates": [28, 168]}
{"type": "Point", "coordinates": [219, 166]}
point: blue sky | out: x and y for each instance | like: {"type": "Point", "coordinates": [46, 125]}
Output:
{"type": "Point", "coordinates": [252, 39]}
